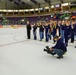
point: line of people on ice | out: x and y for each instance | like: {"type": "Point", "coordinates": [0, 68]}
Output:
{"type": "Point", "coordinates": [66, 29]}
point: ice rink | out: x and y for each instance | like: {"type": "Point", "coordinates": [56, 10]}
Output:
{"type": "Point", "coordinates": [19, 56]}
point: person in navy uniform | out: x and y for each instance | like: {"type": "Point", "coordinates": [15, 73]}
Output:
{"type": "Point", "coordinates": [62, 29]}
{"type": "Point", "coordinates": [54, 26]}
{"type": "Point", "coordinates": [34, 31]}
{"type": "Point", "coordinates": [60, 49]}
{"type": "Point", "coordinates": [47, 28]}
{"type": "Point", "coordinates": [41, 30]}
{"type": "Point", "coordinates": [72, 31]}
{"type": "Point", "coordinates": [50, 30]}
{"type": "Point", "coordinates": [67, 32]}
{"type": "Point", "coordinates": [59, 28]}
{"type": "Point", "coordinates": [28, 26]}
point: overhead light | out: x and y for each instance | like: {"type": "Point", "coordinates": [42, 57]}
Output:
{"type": "Point", "coordinates": [22, 20]}
{"type": "Point", "coordinates": [36, 9]}
{"type": "Point", "coordinates": [15, 10]}
{"type": "Point", "coordinates": [47, 7]}
{"type": "Point", "coordinates": [0, 10]}
{"type": "Point", "coordinates": [26, 10]}
{"type": "Point", "coordinates": [65, 4]}
{"type": "Point", "coordinates": [10, 10]}
{"type": "Point", "coordinates": [31, 9]}
{"type": "Point", "coordinates": [4, 10]}
{"type": "Point", "coordinates": [52, 6]}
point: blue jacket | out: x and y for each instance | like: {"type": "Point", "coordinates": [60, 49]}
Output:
{"type": "Point", "coordinates": [60, 45]}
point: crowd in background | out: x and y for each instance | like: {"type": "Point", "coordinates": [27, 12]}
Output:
{"type": "Point", "coordinates": [66, 29]}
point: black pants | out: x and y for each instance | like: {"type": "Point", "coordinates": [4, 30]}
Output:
{"type": "Point", "coordinates": [66, 39]}
{"type": "Point", "coordinates": [46, 35]}
{"type": "Point", "coordinates": [72, 36]}
{"type": "Point", "coordinates": [28, 34]}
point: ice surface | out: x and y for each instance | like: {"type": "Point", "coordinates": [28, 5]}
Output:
{"type": "Point", "coordinates": [19, 56]}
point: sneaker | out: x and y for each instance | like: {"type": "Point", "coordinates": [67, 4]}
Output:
{"type": "Point", "coordinates": [66, 45]}
{"type": "Point", "coordinates": [71, 42]}
{"type": "Point", "coordinates": [28, 38]}
{"type": "Point", "coordinates": [40, 40]}
{"type": "Point", "coordinates": [59, 57]}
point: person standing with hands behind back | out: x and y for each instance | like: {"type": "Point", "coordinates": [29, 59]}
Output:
{"type": "Point", "coordinates": [28, 26]}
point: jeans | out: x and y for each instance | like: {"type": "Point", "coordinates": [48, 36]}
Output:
{"type": "Point", "coordinates": [41, 35]}
{"type": "Point", "coordinates": [53, 34]}
{"type": "Point", "coordinates": [34, 33]}
{"type": "Point", "coordinates": [62, 34]}
{"type": "Point", "coordinates": [49, 35]}
{"type": "Point", "coordinates": [56, 51]}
